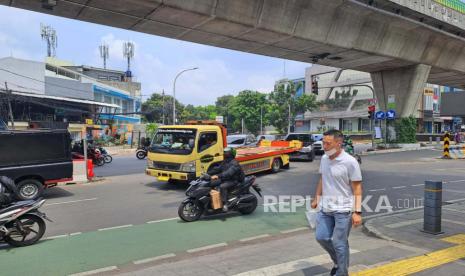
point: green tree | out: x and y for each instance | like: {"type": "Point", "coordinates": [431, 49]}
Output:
{"type": "Point", "coordinates": [246, 105]}
{"type": "Point", "coordinates": [158, 107]}
{"type": "Point", "coordinates": [191, 112]}
{"type": "Point", "coordinates": [284, 97]}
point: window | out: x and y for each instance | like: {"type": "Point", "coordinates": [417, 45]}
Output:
{"type": "Point", "coordinates": [206, 140]}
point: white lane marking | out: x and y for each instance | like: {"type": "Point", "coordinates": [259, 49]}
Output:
{"type": "Point", "coordinates": [291, 266]}
{"type": "Point", "coordinates": [115, 227]}
{"type": "Point", "coordinates": [73, 201]}
{"type": "Point", "coordinates": [161, 220]}
{"type": "Point", "coordinates": [417, 185]}
{"type": "Point", "coordinates": [456, 181]}
{"type": "Point", "coordinates": [399, 187]}
{"type": "Point", "coordinates": [148, 260]}
{"type": "Point", "coordinates": [404, 223]}
{"type": "Point", "coordinates": [294, 230]}
{"type": "Point", "coordinates": [454, 191]}
{"type": "Point", "coordinates": [57, 237]}
{"type": "Point", "coordinates": [207, 247]}
{"type": "Point", "coordinates": [95, 271]}
{"type": "Point", "coordinates": [376, 190]}
{"type": "Point", "coordinates": [74, 234]}
{"type": "Point", "coordinates": [255, 238]}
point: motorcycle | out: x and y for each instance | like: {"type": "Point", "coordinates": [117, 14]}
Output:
{"type": "Point", "coordinates": [21, 222]}
{"type": "Point", "coordinates": [106, 156]}
{"type": "Point", "coordinates": [349, 148]}
{"type": "Point", "coordinates": [141, 152]}
{"type": "Point", "coordinates": [199, 200]}
{"type": "Point", "coordinates": [92, 153]}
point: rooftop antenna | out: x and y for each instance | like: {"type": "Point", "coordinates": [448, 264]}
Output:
{"type": "Point", "coordinates": [104, 54]}
{"type": "Point", "coordinates": [50, 36]}
{"type": "Point", "coordinates": [128, 52]}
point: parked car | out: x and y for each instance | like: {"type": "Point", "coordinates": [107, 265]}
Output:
{"type": "Point", "coordinates": [307, 151]}
{"type": "Point", "coordinates": [35, 159]}
{"type": "Point", "coordinates": [318, 144]}
{"type": "Point", "coordinates": [241, 140]}
{"type": "Point", "coordinates": [268, 137]}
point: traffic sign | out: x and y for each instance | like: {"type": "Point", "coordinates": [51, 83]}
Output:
{"type": "Point", "coordinates": [391, 114]}
{"type": "Point", "coordinates": [380, 115]}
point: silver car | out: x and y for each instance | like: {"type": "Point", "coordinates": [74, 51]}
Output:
{"type": "Point", "coordinates": [241, 140]}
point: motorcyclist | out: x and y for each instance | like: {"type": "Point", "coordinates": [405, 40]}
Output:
{"type": "Point", "coordinates": [9, 193]}
{"type": "Point", "coordinates": [229, 172]}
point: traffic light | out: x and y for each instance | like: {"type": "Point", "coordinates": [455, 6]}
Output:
{"type": "Point", "coordinates": [315, 87]}
{"type": "Point", "coordinates": [371, 111]}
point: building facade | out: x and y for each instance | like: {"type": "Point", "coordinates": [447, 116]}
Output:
{"type": "Point", "coordinates": [344, 96]}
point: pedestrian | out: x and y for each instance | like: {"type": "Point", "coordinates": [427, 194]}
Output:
{"type": "Point", "coordinates": [339, 198]}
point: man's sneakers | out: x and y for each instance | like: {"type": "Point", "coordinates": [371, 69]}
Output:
{"type": "Point", "coordinates": [225, 208]}
{"type": "Point", "coordinates": [333, 271]}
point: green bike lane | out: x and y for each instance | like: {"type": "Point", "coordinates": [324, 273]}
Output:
{"type": "Point", "coordinates": [117, 247]}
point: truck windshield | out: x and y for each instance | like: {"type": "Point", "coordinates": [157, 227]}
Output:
{"type": "Point", "coordinates": [173, 141]}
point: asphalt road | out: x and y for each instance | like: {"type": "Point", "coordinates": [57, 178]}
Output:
{"type": "Point", "coordinates": [130, 197]}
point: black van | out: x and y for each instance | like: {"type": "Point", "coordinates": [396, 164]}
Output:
{"type": "Point", "coordinates": [35, 159]}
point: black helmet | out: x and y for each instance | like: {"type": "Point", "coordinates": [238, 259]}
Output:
{"type": "Point", "coordinates": [229, 153]}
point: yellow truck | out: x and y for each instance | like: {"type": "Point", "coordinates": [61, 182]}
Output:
{"type": "Point", "coordinates": [184, 152]}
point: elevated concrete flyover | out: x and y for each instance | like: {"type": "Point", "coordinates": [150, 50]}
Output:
{"type": "Point", "coordinates": [386, 38]}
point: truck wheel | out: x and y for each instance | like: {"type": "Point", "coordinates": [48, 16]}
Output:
{"type": "Point", "coordinates": [276, 166]}
{"type": "Point", "coordinates": [30, 189]}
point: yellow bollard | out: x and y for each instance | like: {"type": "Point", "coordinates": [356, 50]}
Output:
{"type": "Point", "coordinates": [446, 153]}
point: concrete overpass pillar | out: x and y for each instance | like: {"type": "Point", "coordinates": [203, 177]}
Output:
{"type": "Point", "coordinates": [404, 84]}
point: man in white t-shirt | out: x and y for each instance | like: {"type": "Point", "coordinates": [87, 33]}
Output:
{"type": "Point", "coordinates": [339, 194]}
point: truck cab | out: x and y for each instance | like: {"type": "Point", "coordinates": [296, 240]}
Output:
{"type": "Point", "coordinates": [184, 152]}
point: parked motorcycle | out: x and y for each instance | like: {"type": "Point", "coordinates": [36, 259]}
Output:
{"type": "Point", "coordinates": [199, 200]}
{"type": "Point", "coordinates": [92, 153]}
{"type": "Point", "coordinates": [141, 152]}
{"type": "Point", "coordinates": [21, 222]}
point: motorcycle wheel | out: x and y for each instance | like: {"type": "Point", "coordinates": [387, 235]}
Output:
{"type": "Point", "coordinates": [249, 209]}
{"type": "Point", "coordinates": [108, 158]}
{"type": "Point", "coordinates": [189, 211]}
{"type": "Point", "coordinates": [141, 154]}
{"type": "Point", "coordinates": [100, 161]}
{"type": "Point", "coordinates": [24, 226]}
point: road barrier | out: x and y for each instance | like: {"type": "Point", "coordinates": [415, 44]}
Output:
{"type": "Point", "coordinates": [452, 152]}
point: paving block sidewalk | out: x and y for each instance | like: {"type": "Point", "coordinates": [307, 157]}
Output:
{"type": "Point", "coordinates": [444, 253]}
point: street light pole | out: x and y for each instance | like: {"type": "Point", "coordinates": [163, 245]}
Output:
{"type": "Point", "coordinates": [174, 92]}
{"type": "Point", "coordinates": [261, 120]}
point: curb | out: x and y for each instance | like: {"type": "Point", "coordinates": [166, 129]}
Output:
{"type": "Point", "coordinates": [369, 229]}
{"type": "Point", "coordinates": [395, 150]}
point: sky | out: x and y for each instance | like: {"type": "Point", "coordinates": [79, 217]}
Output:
{"type": "Point", "coordinates": [157, 59]}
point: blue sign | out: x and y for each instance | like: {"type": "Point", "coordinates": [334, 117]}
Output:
{"type": "Point", "coordinates": [391, 114]}
{"type": "Point", "coordinates": [380, 115]}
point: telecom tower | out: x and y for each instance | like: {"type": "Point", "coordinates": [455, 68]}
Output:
{"type": "Point", "coordinates": [50, 36]}
{"type": "Point", "coordinates": [128, 52]}
{"type": "Point", "coordinates": [104, 54]}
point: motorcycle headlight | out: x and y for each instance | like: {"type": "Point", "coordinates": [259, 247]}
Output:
{"type": "Point", "coordinates": [188, 167]}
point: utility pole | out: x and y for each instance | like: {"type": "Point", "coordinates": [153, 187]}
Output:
{"type": "Point", "coordinates": [289, 119]}
{"type": "Point", "coordinates": [8, 94]}
{"type": "Point", "coordinates": [261, 120]}
{"type": "Point", "coordinates": [163, 106]}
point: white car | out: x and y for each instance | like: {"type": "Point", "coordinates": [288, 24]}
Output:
{"type": "Point", "coordinates": [241, 140]}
